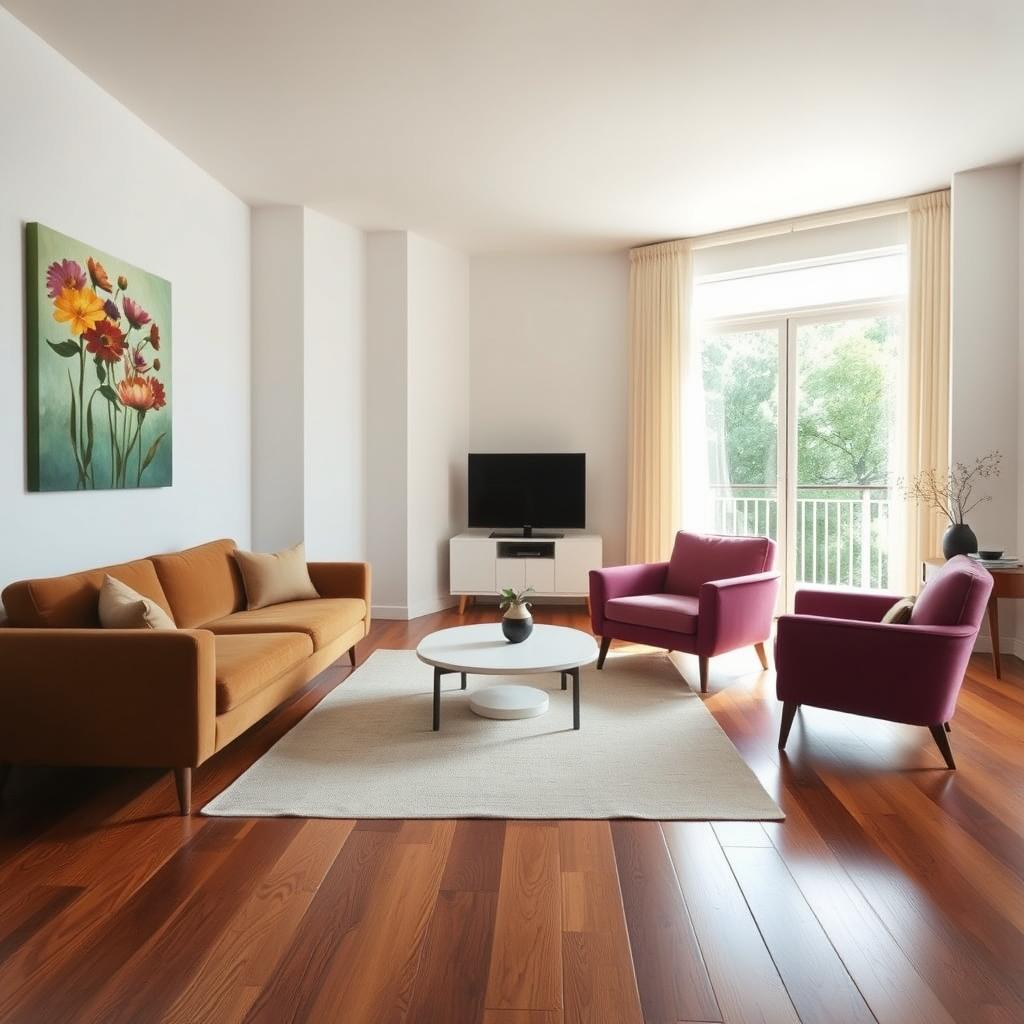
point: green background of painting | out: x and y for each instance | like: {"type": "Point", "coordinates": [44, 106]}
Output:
{"type": "Point", "coordinates": [51, 459]}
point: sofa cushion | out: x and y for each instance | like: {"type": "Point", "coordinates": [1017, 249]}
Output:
{"type": "Point", "coordinates": [72, 602]}
{"type": "Point", "coordinates": [676, 613]}
{"type": "Point", "coordinates": [323, 619]}
{"type": "Point", "coordinates": [698, 558]}
{"type": "Point", "coordinates": [120, 607]}
{"type": "Point", "coordinates": [201, 583]}
{"type": "Point", "coordinates": [957, 595]}
{"type": "Point", "coordinates": [277, 578]}
{"type": "Point", "coordinates": [246, 663]}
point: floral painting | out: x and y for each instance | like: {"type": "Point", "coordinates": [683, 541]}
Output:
{"type": "Point", "coordinates": [99, 395]}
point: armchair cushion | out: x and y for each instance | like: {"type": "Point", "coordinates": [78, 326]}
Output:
{"type": "Point", "coordinates": [676, 613]}
{"type": "Point", "coordinates": [699, 558]}
{"type": "Point", "coordinates": [956, 595]}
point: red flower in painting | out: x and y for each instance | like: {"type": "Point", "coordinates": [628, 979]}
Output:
{"type": "Point", "coordinates": [141, 393]}
{"type": "Point", "coordinates": [65, 274]}
{"type": "Point", "coordinates": [135, 314]}
{"type": "Point", "coordinates": [159, 395]}
{"type": "Point", "coordinates": [105, 341]}
{"type": "Point", "coordinates": [154, 337]}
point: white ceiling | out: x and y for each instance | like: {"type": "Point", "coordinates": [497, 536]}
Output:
{"type": "Point", "coordinates": [561, 124]}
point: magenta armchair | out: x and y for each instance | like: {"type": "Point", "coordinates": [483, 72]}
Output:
{"type": "Point", "coordinates": [835, 652]}
{"type": "Point", "coordinates": [715, 594]}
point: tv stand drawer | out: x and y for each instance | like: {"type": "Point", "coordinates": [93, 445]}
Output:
{"type": "Point", "coordinates": [526, 549]}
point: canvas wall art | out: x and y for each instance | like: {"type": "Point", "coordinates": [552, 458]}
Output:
{"type": "Point", "coordinates": [99, 368]}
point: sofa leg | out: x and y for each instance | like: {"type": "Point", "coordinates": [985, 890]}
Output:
{"type": "Point", "coordinates": [352, 655]}
{"type": "Point", "coordinates": [947, 727]}
{"type": "Point", "coordinates": [183, 781]}
{"type": "Point", "coordinates": [789, 710]}
{"type": "Point", "coordinates": [606, 642]}
{"type": "Point", "coordinates": [5, 773]}
{"type": "Point", "coordinates": [942, 742]}
{"type": "Point", "coordinates": [702, 664]}
{"type": "Point", "coordinates": [762, 657]}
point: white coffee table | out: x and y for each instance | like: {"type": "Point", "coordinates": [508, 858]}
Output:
{"type": "Point", "coordinates": [483, 650]}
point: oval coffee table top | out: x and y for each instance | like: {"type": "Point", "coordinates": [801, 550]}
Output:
{"type": "Point", "coordinates": [483, 648]}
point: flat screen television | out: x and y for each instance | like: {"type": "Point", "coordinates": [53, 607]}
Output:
{"type": "Point", "coordinates": [526, 491]}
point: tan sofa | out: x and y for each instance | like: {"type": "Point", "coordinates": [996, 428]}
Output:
{"type": "Point", "coordinates": [74, 693]}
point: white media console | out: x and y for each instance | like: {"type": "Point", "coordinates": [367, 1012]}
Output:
{"type": "Point", "coordinates": [554, 566]}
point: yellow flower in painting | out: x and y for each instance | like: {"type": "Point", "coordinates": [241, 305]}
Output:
{"type": "Point", "coordinates": [79, 308]}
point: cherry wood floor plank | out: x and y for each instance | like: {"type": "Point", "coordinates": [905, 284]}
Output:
{"type": "Point", "coordinates": [670, 971]}
{"type": "Point", "coordinates": [522, 1017]}
{"type": "Point", "coordinates": [374, 980]}
{"type": "Point", "coordinates": [254, 941]}
{"type": "Point", "coordinates": [599, 983]}
{"type": "Point", "coordinates": [78, 977]}
{"type": "Point", "coordinates": [815, 977]}
{"type": "Point", "coordinates": [740, 833]}
{"type": "Point", "coordinates": [32, 914]}
{"type": "Point", "coordinates": [474, 861]}
{"type": "Point", "coordinates": [174, 956]}
{"type": "Point", "coordinates": [325, 932]}
{"type": "Point", "coordinates": [747, 984]}
{"type": "Point", "coordinates": [526, 962]}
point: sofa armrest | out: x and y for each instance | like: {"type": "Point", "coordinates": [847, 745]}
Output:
{"type": "Point", "coordinates": [107, 696]}
{"type": "Point", "coordinates": [735, 612]}
{"type": "Point", "coordinates": [623, 581]}
{"type": "Point", "coordinates": [908, 674]}
{"type": "Point", "coordinates": [837, 603]}
{"type": "Point", "coordinates": [343, 579]}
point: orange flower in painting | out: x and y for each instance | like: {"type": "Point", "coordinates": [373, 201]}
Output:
{"type": "Point", "coordinates": [98, 275]}
{"type": "Point", "coordinates": [79, 308]}
{"type": "Point", "coordinates": [142, 393]}
{"type": "Point", "coordinates": [105, 341]}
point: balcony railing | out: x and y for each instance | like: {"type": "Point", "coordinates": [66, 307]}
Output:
{"type": "Point", "coordinates": [842, 531]}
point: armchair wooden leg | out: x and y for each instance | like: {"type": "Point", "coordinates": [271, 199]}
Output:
{"type": "Point", "coordinates": [703, 666]}
{"type": "Point", "coordinates": [606, 642]}
{"type": "Point", "coordinates": [789, 709]}
{"type": "Point", "coordinates": [942, 742]}
{"type": "Point", "coordinates": [762, 657]}
{"type": "Point", "coordinates": [352, 655]}
{"type": "Point", "coordinates": [183, 781]}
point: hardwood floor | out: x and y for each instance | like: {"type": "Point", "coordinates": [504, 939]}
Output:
{"type": "Point", "coordinates": [894, 890]}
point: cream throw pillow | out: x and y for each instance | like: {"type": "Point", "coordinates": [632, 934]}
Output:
{"type": "Point", "coordinates": [274, 579]}
{"type": "Point", "coordinates": [124, 608]}
{"type": "Point", "coordinates": [899, 614]}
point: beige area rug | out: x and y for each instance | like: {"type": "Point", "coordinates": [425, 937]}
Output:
{"type": "Point", "coordinates": [647, 748]}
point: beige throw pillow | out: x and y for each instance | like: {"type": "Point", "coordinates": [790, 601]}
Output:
{"type": "Point", "coordinates": [274, 579]}
{"type": "Point", "coordinates": [124, 608]}
{"type": "Point", "coordinates": [899, 614]}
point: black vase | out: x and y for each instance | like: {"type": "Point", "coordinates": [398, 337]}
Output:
{"type": "Point", "coordinates": [517, 630]}
{"type": "Point", "coordinates": [959, 540]}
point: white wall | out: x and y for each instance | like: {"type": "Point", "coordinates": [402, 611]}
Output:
{"type": "Point", "coordinates": [438, 411]}
{"type": "Point", "coordinates": [145, 202]}
{"type": "Point", "coordinates": [334, 259]}
{"type": "Point", "coordinates": [986, 350]}
{"type": "Point", "coordinates": [277, 377]}
{"type": "Point", "coordinates": [549, 369]}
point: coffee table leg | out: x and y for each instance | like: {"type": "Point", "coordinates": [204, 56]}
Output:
{"type": "Point", "coordinates": [565, 677]}
{"type": "Point", "coordinates": [575, 673]}
{"type": "Point", "coordinates": [463, 680]}
{"type": "Point", "coordinates": [437, 699]}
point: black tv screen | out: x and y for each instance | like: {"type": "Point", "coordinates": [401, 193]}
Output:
{"type": "Point", "coordinates": [528, 490]}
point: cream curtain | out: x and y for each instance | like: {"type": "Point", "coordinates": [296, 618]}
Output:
{"type": "Point", "coordinates": [928, 368]}
{"type": "Point", "coordinates": [660, 289]}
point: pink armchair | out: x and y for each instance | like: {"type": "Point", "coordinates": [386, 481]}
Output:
{"type": "Point", "coordinates": [836, 653]}
{"type": "Point", "coordinates": [715, 594]}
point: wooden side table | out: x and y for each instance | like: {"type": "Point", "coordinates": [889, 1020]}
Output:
{"type": "Point", "coordinates": [1005, 583]}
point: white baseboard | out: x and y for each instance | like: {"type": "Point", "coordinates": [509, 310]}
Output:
{"type": "Point", "coordinates": [404, 612]}
{"type": "Point", "coordinates": [390, 611]}
{"type": "Point", "coordinates": [1007, 645]}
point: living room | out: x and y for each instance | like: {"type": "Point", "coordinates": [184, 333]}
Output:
{"type": "Point", "coordinates": [578, 479]}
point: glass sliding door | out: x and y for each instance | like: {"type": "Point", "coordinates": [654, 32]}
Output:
{"type": "Point", "coordinates": [845, 446]}
{"type": "Point", "coordinates": [744, 400]}
{"type": "Point", "coordinates": [802, 439]}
